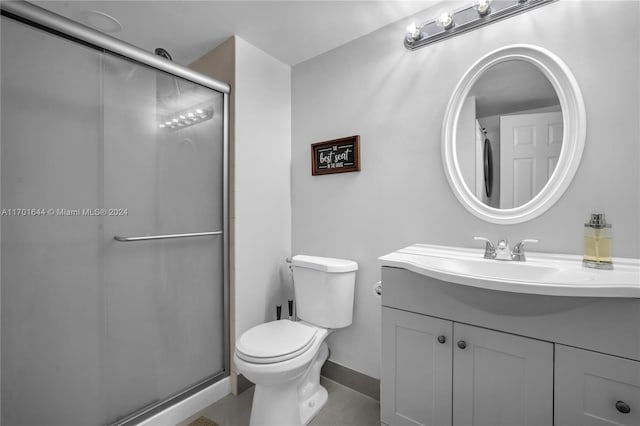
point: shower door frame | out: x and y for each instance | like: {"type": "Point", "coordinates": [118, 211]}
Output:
{"type": "Point", "coordinates": [36, 16]}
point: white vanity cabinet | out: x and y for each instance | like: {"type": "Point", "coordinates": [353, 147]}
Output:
{"type": "Point", "coordinates": [461, 355]}
{"type": "Point", "coordinates": [495, 378]}
{"type": "Point", "coordinates": [594, 389]}
{"type": "Point", "coordinates": [415, 378]}
{"type": "Point", "coordinates": [501, 379]}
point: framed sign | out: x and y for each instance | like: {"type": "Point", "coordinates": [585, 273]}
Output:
{"type": "Point", "coordinates": [336, 156]}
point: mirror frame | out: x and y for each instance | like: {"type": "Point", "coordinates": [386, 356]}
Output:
{"type": "Point", "coordinates": [573, 139]}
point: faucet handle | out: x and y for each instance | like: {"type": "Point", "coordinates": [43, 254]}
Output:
{"type": "Point", "coordinates": [518, 249]}
{"type": "Point", "coordinates": [489, 248]}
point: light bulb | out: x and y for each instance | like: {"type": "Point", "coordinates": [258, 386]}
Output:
{"type": "Point", "coordinates": [446, 20]}
{"type": "Point", "coordinates": [413, 31]}
{"type": "Point", "coordinates": [482, 6]}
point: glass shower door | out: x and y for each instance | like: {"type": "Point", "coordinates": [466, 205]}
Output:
{"type": "Point", "coordinates": [164, 301]}
{"type": "Point", "coordinates": [96, 146]}
{"type": "Point", "coordinates": [51, 255]}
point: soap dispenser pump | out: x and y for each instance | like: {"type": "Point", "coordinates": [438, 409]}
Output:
{"type": "Point", "coordinates": [597, 243]}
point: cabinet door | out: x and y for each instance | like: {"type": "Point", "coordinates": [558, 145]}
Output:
{"type": "Point", "coordinates": [501, 379]}
{"type": "Point", "coordinates": [415, 379]}
{"type": "Point", "coordinates": [595, 389]}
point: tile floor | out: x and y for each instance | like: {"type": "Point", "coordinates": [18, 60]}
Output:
{"type": "Point", "coordinates": [345, 407]}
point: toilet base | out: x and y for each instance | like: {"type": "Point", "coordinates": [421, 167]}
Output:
{"type": "Point", "coordinates": [275, 406]}
{"type": "Point", "coordinates": [291, 403]}
{"type": "Point", "coordinates": [310, 407]}
{"type": "Point", "coordinates": [313, 396]}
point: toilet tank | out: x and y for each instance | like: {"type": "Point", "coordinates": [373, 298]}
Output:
{"type": "Point", "coordinates": [324, 290]}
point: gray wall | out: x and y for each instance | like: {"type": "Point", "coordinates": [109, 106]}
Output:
{"type": "Point", "coordinates": [262, 182]}
{"type": "Point", "coordinates": [396, 99]}
{"type": "Point", "coordinates": [260, 175]}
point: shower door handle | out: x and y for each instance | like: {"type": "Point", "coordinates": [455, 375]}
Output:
{"type": "Point", "coordinates": [165, 236]}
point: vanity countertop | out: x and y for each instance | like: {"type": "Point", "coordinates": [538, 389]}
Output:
{"type": "Point", "coordinates": [542, 273]}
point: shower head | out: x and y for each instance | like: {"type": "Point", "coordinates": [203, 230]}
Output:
{"type": "Point", "coordinates": [162, 52]}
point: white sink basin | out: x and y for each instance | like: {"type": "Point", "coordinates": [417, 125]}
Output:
{"type": "Point", "coordinates": [542, 273]}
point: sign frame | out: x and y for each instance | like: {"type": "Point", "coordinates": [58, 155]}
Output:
{"type": "Point", "coordinates": [336, 156]}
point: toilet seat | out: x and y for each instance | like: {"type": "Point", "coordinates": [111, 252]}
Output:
{"type": "Point", "coordinates": [275, 341]}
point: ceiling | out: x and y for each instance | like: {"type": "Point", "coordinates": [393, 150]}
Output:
{"type": "Point", "coordinates": [512, 86]}
{"type": "Point", "coordinates": [291, 31]}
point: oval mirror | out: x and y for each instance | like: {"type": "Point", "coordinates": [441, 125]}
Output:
{"type": "Point", "coordinates": [513, 134]}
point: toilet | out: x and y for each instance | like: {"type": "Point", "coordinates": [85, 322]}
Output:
{"type": "Point", "coordinates": [283, 358]}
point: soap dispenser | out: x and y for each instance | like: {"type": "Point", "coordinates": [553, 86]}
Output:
{"type": "Point", "coordinates": [597, 243]}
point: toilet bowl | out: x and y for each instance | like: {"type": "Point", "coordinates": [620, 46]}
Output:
{"type": "Point", "coordinates": [286, 370]}
{"type": "Point", "coordinates": [283, 358]}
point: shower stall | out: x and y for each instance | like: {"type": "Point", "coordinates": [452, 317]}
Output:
{"type": "Point", "coordinates": [114, 258]}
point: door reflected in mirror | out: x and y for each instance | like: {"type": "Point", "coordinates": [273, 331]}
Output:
{"type": "Point", "coordinates": [509, 134]}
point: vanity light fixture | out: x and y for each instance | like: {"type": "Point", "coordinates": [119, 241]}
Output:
{"type": "Point", "coordinates": [480, 13]}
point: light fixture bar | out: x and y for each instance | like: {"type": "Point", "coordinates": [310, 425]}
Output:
{"type": "Point", "coordinates": [475, 15]}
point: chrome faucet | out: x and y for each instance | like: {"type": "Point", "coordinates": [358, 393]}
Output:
{"type": "Point", "coordinates": [518, 250]}
{"type": "Point", "coordinates": [489, 248]}
{"type": "Point", "coordinates": [501, 250]}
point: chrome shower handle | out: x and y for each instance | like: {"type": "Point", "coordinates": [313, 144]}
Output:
{"type": "Point", "coordinates": [165, 236]}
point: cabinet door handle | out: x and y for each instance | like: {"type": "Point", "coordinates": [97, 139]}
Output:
{"type": "Point", "coordinates": [442, 339]}
{"type": "Point", "coordinates": [623, 407]}
{"type": "Point", "coordinates": [462, 344]}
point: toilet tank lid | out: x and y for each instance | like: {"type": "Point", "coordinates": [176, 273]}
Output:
{"type": "Point", "coordinates": [325, 264]}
